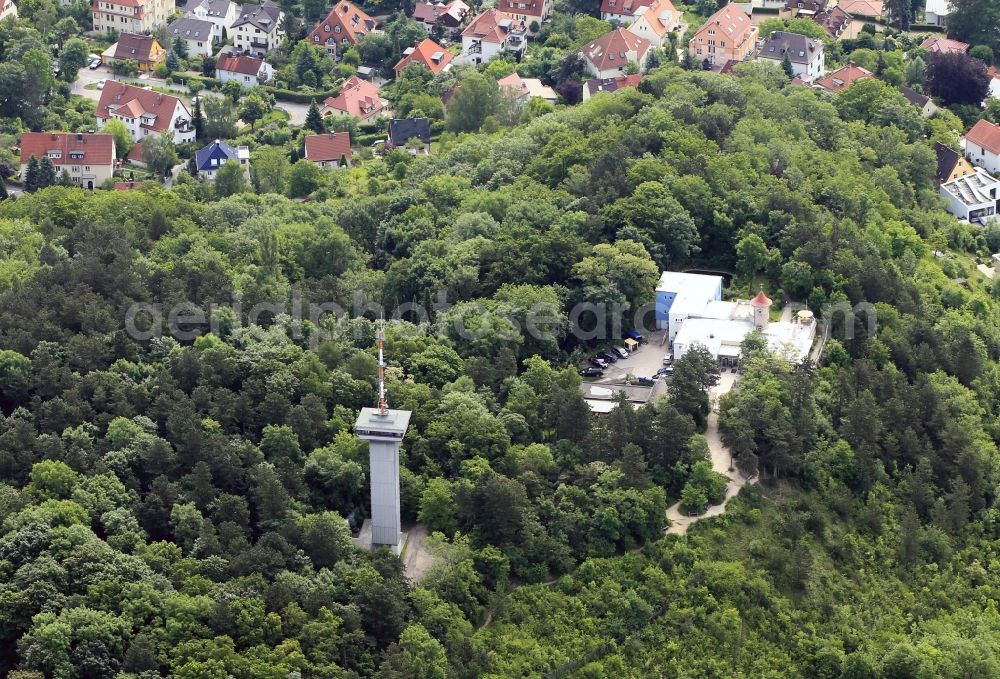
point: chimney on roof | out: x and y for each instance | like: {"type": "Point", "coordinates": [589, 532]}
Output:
{"type": "Point", "coordinates": [55, 136]}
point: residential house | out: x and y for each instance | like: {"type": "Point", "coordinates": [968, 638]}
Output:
{"type": "Point", "coordinates": [259, 29]}
{"type": "Point", "coordinates": [982, 146]}
{"type": "Point", "coordinates": [526, 88]}
{"type": "Point", "coordinates": [492, 33]}
{"type": "Point", "coordinates": [994, 75]}
{"type": "Point", "coordinates": [402, 130]}
{"type": "Point", "coordinates": [843, 78]}
{"type": "Point", "coordinates": [921, 101]}
{"type": "Point", "coordinates": [131, 16]}
{"type": "Point", "coordinates": [834, 21]}
{"type": "Point", "coordinates": [595, 85]}
{"type": "Point", "coordinates": [728, 34]}
{"type": "Point", "coordinates": [654, 22]}
{"type": "Point", "coordinates": [211, 158]}
{"type": "Point", "coordinates": [144, 112]}
{"type": "Point", "coordinates": [145, 50]}
{"type": "Point", "coordinates": [870, 9]}
{"type": "Point", "coordinates": [247, 71]}
{"type": "Point", "coordinates": [134, 156]}
{"type": "Point", "coordinates": [936, 12]}
{"type": "Point", "coordinates": [531, 12]}
{"type": "Point", "coordinates": [806, 8]}
{"type": "Point", "coordinates": [610, 55]}
{"type": "Point", "coordinates": [222, 13]}
{"type": "Point", "coordinates": [950, 164]}
{"type": "Point", "coordinates": [945, 45]}
{"type": "Point", "coordinates": [449, 17]}
{"type": "Point", "coordinates": [88, 158]}
{"type": "Point", "coordinates": [622, 11]}
{"type": "Point", "coordinates": [358, 98]}
{"type": "Point", "coordinates": [198, 34]}
{"type": "Point", "coordinates": [972, 197]}
{"type": "Point", "coordinates": [332, 149]}
{"type": "Point", "coordinates": [341, 28]}
{"type": "Point", "coordinates": [428, 54]}
{"type": "Point", "coordinates": [7, 9]}
{"type": "Point", "coordinates": [805, 54]}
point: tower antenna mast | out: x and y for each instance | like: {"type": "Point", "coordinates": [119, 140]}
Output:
{"type": "Point", "coordinates": [382, 405]}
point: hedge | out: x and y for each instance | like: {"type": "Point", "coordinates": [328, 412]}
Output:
{"type": "Point", "coordinates": [207, 83]}
{"type": "Point", "coordinates": [299, 97]}
{"type": "Point", "coordinates": [931, 28]}
{"type": "Point", "coordinates": [366, 140]}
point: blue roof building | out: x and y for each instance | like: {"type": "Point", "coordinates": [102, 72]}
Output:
{"type": "Point", "coordinates": [209, 159]}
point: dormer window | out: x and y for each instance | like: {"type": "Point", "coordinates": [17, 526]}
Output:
{"type": "Point", "coordinates": [336, 29]}
{"type": "Point", "coordinates": [327, 28]}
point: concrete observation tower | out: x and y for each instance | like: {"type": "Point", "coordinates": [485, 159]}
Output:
{"type": "Point", "coordinates": [384, 430]}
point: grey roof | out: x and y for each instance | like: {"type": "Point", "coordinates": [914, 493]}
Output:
{"type": "Point", "coordinates": [190, 28]}
{"type": "Point", "coordinates": [914, 98]}
{"type": "Point", "coordinates": [214, 8]}
{"type": "Point", "coordinates": [265, 17]}
{"type": "Point", "coordinates": [401, 130]}
{"type": "Point", "coordinates": [800, 48]}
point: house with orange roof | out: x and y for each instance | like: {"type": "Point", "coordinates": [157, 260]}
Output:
{"type": "Point", "coordinates": [654, 22]}
{"type": "Point", "coordinates": [329, 150]}
{"type": "Point", "coordinates": [428, 54]}
{"type": "Point", "coordinates": [492, 33]}
{"type": "Point", "coordinates": [145, 50]}
{"type": "Point", "coordinates": [341, 28]}
{"type": "Point", "coordinates": [843, 78]}
{"type": "Point", "coordinates": [144, 112]}
{"type": "Point", "coordinates": [873, 9]}
{"type": "Point", "coordinates": [358, 98]}
{"type": "Point", "coordinates": [132, 16]}
{"type": "Point", "coordinates": [524, 89]}
{"type": "Point", "coordinates": [247, 71]}
{"type": "Point", "coordinates": [609, 55]}
{"type": "Point", "coordinates": [622, 11]}
{"type": "Point", "coordinates": [727, 35]}
{"type": "Point", "coordinates": [944, 46]}
{"type": "Point", "coordinates": [88, 158]}
{"type": "Point", "coordinates": [982, 146]}
{"type": "Point", "coordinates": [529, 11]}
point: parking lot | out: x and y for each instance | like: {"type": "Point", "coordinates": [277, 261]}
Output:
{"type": "Point", "coordinates": [644, 362]}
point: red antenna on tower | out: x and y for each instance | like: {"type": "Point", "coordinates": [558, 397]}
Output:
{"type": "Point", "coordinates": [382, 405]}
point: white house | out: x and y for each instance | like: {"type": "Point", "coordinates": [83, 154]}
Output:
{"type": "Point", "coordinates": [936, 12]}
{"type": "Point", "coordinates": [982, 146]}
{"type": "Point", "coordinates": [198, 34]}
{"type": "Point", "coordinates": [222, 13]}
{"type": "Point", "coordinates": [144, 112]}
{"type": "Point", "coordinates": [259, 30]}
{"type": "Point", "coordinates": [805, 54]}
{"type": "Point", "coordinates": [7, 9]}
{"type": "Point", "coordinates": [973, 197]}
{"type": "Point", "coordinates": [609, 55]}
{"type": "Point", "coordinates": [247, 71]}
{"type": "Point", "coordinates": [994, 82]}
{"type": "Point", "coordinates": [655, 22]}
{"type": "Point", "coordinates": [492, 33]}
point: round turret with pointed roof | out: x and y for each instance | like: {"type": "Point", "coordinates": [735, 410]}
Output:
{"type": "Point", "coordinates": [761, 300]}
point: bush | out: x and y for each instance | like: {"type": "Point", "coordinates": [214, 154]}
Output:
{"type": "Point", "coordinates": [299, 97]}
{"type": "Point", "coordinates": [206, 83]}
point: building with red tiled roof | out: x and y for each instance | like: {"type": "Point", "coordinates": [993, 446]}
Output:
{"type": "Point", "coordinates": [247, 71]}
{"type": "Point", "coordinates": [595, 85]}
{"type": "Point", "coordinates": [88, 158]}
{"type": "Point", "coordinates": [609, 55]}
{"type": "Point", "coordinates": [834, 21]}
{"type": "Point", "coordinates": [528, 11]}
{"type": "Point", "coordinates": [655, 22]}
{"type": "Point", "coordinates": [865, 8]}
{"type": "Point", "coordinates": [341, 28]}
{"type": "Point", "coordinates": [489, 34]}
{"type": "Point", "coordinates": [127, 186]}
{"type": "Point", "coordinates": [358, 98]}
{"type": "Point", "coordinates": [728, 34]}
{"type": "Point", "coordinates": [143, 49]}
{"type": "Point", "coordinates": [982, 146]}
{"type": "Point", "coordinates": [449, 16]}
{"type": "Point", "coordinates": [843, 78]}
{"type": "Point", "coordinates": [332, 149]}
{"type": "Point", "coordinates": [428, 54]}
{"type": "Point", "coordinates": [144, 112]}
{"type": "Point", "coordinates": [944, 46]}
{"type": "Point", "coordinates": [622, 10]}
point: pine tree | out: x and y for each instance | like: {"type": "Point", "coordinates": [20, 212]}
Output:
{"type": "Point", "coordinates": [196, 119]}
{"type": "Point", "coordinates": [173, 63]}
{"type": "Point", "coordinates": [65, 179]}
{"type": "Point", "coordinates": [46, 173]}
{"type": "Point", "coordinates": [3, 190]}
{"type": "Point", "coordinates": [314, 121]}
{"type": "Point", "coordinates": [786, 65]}
{"type": "Point", "coordinates": [31, 175]}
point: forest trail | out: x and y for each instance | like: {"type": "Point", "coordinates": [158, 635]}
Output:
{"type": "Point", "coordinates": [721, 462]}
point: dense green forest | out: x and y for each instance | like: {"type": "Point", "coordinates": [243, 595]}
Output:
{"type": "Point", "coordinates": [175, 507]}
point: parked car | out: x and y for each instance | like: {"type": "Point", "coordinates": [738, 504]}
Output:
{"type": "Point", "coordinates": [591, 372]}
{"type": "Point", "coordinates": [633, 335]}
{"type": "Point", "coordinates": [100, 84]}
{"type": "Point", "coordinates": [94, 63]}
{"type": "Point", "coordinates": [598, 362]}
{"type": "Point", "coordinates": [645, 381]}
{"type": "Point", "coordinates": [665, 372]}
{"type": "Point", "coordinates": [621, 351]}
{"type": "Point", "coordinates": [668, 359]}
{"type": "Point", "coordinates": [607, 356]}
